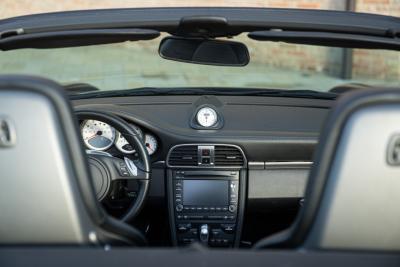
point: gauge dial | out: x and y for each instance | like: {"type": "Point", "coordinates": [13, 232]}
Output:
{"type": "Point", "coordinates": [207, 117]}
{"type": "Point", "coordinates": [97, 135]}
{"type": "Point", "coordinates": [123, 145]}
{"type": "Point", "coordinates": [151, 144]}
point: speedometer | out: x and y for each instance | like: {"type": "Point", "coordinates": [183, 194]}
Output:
{"type": "Point", "coordinates": [97, 135]}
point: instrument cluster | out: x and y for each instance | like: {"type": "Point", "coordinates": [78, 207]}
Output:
{"type": "Point", "coordinates": [100, 136]}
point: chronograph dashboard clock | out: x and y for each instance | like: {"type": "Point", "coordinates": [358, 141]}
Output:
{"type": "Point", "coordinates": [206, 117]}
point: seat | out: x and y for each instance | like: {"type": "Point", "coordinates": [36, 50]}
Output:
{"type": "Point", "coordinates": [353, 191]}
{"type": "Point", "coordinates": [47, 196]}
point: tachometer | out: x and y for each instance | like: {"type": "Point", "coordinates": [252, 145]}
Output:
{"type": "Point", "coordinates": [97, 135]}
{"type": "Point", "coordinates": [123, 145]}
{"type": "Point", "coordinates": [151, 144]}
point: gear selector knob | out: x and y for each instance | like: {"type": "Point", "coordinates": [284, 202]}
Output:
{"type": "Point", "coordinates": [204, 233]}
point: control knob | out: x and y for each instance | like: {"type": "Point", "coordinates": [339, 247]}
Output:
{"type": "Point", "coordinates": [179, 207]}
{"type": "Point", "coordinates": [232, 208]}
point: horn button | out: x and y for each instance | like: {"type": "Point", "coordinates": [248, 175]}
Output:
{"type": "Point", "coordinates": [100, 177]}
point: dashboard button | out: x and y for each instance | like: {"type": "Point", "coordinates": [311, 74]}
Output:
{"type": "Point", "coordinates": [205, 152]}
{"type": "Point", "coordinates": [228, 228]}
{"type": "Point", "coordinates": [179, 207]}
{"type": "Point", "coordinates": [232, 208]}
{"type": "Point", "coordinates": [182, 228]}
{"type": "Point", "coordinates": [205, 160]}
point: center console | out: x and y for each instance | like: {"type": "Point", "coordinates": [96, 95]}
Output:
{"type": "Point", "coordinates": [206, 190]}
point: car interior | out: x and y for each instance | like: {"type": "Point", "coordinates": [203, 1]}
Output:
{"type": "Point", "coordinates": [198, 176]}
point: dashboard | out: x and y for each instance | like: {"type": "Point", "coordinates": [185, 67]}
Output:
{"type": "Point", "coordinates": [270, 141]}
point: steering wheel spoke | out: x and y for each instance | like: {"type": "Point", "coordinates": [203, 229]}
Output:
{"type": "Point", "coordinates": [127, 170]}
{"type": "Point", "coordinates": [121, 169]}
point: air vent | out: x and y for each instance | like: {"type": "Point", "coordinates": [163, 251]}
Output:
{"type": "Point", "coordinates": [183, 156]}
{"type": "Point", "coordinates": [228, 156]}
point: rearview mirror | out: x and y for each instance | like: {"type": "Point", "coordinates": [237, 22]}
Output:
{"type": "Point", "coordinates": [203, 51]}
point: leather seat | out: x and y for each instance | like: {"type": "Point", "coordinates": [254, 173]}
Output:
{"type": "Point", "coordinates": [47, 195]}
{"type": "Point", "coordinates": [353, 192]}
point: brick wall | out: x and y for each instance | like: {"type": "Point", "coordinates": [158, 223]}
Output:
{"type": "Point", "coordinates": [382, 64]}
{"type": "Point", "coordinates": [371, 64]}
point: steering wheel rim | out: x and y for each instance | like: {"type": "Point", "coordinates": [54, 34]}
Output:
{"type": "Point", "coordinates": [132, 137]}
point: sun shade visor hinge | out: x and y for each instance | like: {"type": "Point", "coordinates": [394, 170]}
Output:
{"type": "Point", "coordinates": [330, 39]}
{"type": "Point", "coordinates": [72, 38]}
{"type": "Point", "coordinates": [10, 33]}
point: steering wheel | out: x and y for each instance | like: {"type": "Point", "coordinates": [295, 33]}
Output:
{"type": "Point", "coordinates": [106, 168]}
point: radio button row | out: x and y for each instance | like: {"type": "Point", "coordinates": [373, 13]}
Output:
{"type": "Point", "coordinates": [190, 217]}
{"type": "Point", "coordinates": [215, 217]}
{"type": "Point", "coordinates": [201, 217]}
{"type": "Point", "coordinates": [203, 208]}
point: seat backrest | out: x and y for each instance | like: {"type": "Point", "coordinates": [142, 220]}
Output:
{"type": "Point", "coordinates": [360, 171]}
{"type": "Point", "coordinates": [353, 191]}
{"type": "Point", "coordinates": [41, 158]}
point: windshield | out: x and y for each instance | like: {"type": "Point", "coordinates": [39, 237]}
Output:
{"type": "Point", "coordinates": [272, 65]}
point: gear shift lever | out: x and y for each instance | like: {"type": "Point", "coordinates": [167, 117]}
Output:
{"type": "Point", "coordinates": [204, 233]}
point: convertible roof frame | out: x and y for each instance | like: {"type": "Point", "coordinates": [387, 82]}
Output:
{"type": "Point", "coordinates": [238, 20]}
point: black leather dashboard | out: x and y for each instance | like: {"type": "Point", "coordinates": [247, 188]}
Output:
{"type": "Point", "coordinates": [267, 128]}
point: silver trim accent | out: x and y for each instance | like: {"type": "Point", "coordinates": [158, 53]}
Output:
{"type": "Point", "coordinates": [200, 155]}
{"type": "Point", "coordinates": [210, 166]}
{"type": "Point", "coordinates": [288, 164]}
{"type": "Point", "coordinates": [256, 165]}
{"type": "Point", "coordinates": [131, 166]}
{"type": "Point", "coordinates": [98, 152]}
{"type": "Point", "coordinates": [8, 134]}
